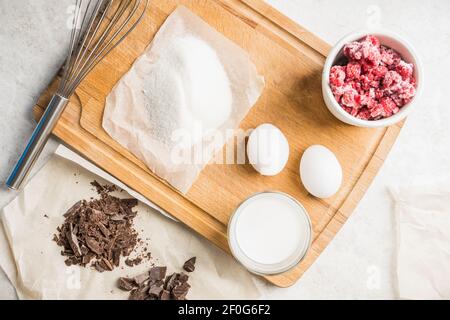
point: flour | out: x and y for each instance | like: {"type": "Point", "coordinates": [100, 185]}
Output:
{"type": "Point", "coordinates": [186, 89]}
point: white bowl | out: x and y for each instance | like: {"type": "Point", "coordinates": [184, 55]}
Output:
{"type": "Point", "coordinates": [390, 40]}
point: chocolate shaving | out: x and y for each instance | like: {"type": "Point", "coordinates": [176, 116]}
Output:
{"type": "Point", "coordinates": [98, 232]}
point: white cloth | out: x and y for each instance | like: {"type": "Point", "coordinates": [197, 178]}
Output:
{"type": "Point", "coordinates": [33, 262]}
{"type": "Point", "coordinates": [423, 240]}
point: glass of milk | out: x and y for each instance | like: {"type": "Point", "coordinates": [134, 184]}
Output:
{"type": "Point", "coordinates": [269, 233]}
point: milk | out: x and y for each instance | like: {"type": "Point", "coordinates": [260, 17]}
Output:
{"type": "Point", "coordinates": [270, 233]}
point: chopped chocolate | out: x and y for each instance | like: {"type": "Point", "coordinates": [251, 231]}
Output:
{"type": "Point", "coordinates": [183, 277]}
{"type": "Point", "coordinates": [180, 291]}
{"type": "Point", "coordinates": [140, 279]}
{"type": "Point", "coordinates": [99, 231]}
{"type": "Point", "coordinates": [155, 285]}
{"type": "Point", "coordinates": [137, 294]}
{"type": "Point", "coordinates": [126, 284]}
{"type": "Point", "coordinates": [73, 241]}
{"type": "Point", "coordinates": [155, 291]}
{"type": "Point", "coordinates": [165, 295]}
{"type": "Point", "coordinates": [94, 245]}
{"type": "Point", "coordinates": [170, 281]}
{"type": "Point", "coordinates": [158, 273]}
{"type": "Point", "coordinates": [189, 265]}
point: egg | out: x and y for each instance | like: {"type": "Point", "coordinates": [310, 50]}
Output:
{"type": "Point", "coordinates": [320, 171]}
{"type": "Point", "coordinates": [267, 149]}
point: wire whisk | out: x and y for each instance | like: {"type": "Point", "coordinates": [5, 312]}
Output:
{"type": "Point", "coordinates": [98, 27]}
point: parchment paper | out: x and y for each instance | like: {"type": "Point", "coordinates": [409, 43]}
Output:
{"type": "Point", "coordinates": [423, 240]}
{"type": "Point", "coordinates": [33, 263]}
{"type": "Point", "coordinates": [127, 121]}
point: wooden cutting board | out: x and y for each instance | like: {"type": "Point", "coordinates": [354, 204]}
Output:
{"type": "Point", "coordinates": [291, 60]}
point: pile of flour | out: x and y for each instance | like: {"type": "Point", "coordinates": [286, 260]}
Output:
{"type": "Point", "coordinates": [186, 92]}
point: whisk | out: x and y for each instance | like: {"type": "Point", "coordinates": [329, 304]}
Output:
{"type": "Point", "coordinates": [98, 27]}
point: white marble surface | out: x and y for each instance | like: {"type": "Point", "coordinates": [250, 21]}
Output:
{"type": "Point", "coordinates": [359, 263]}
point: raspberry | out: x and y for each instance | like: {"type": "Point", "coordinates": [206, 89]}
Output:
{"type": "Point", "coordinates": [337, 76]}
{"type": "Point", "coordinates": [389, 106]}
{"type": "Point", "coordinates": [404, 69]}
{"type": "Point", "coordinates": [391, 79]}
{"type": "Point", "coordinates": [378, 72]}
{"type": "Point", "coordinates": [353, 70]}
{"type": "Point", "coordinates": [373, 40]}
{"type": "Point", "coordinates": [375, 83]}
{"type": "Point", "coordinates": [352, 50]}
{"type": "Point", "coordinates": [389, 56]}
{"type": "Point", "coordinates": [350, 98]}
{"type": "Point", "coordinates": [363, 114]}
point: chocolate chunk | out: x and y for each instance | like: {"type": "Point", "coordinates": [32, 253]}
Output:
{"type": "Point", "coordinates": [103, 229]}
{"type": "Point", "coordinates": [158, 273]}
{"type": "Point", "coordinates": [98, 266]}
{"type": "Point", "coordinates": [129, 203]}
{"type": "Point", "coordinates": [107, 264]}
{"type": "Point", "coordinates": [155, 291]}
{"type": "Point", "coordinates": [93, 245]}
{"type": "Point", "coordinates": [170, 282]}
{"type": "Point", "coordinates": [73, 241]}
{"type": "Point", "coordinates": [137, 294]}
{"type": "Point", "coordinates": [140, 279]}
{"type": "Point", "coordinates": [189, 265]}
{"type": "Point", "coordinates": [180, 291]}
{"type": "Point", "coordinates": [165, 295]}
{"type": "Point", "coordinates": [87, 258]}
{"type": "Point", "coordinates": [183, 277]}
{"type": "Point", "coordinates": [126, 284]}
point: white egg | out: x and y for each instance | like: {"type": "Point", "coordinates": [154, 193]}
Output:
{"type": "Point", "coordinates": [267, 149]}
{"type": "Point", "coordinates": [320, 171]}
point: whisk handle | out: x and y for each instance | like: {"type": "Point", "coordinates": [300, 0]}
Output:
{"type": "Point", "coordinates": [37, 141]}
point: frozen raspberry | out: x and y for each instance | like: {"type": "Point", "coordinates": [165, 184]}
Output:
{"type": "Point", "coordinates": [353, 70]}
{"type": "Point", "coordinates": [373, 40]}
{"type": "Point", "coordinates": [353, 51]}
{"type": "Point", "coordinates": [375, 83]}
{"type": "Point", "coordinates": [379, 93]}
{"type": "Point", "coordinates": [350, 98]}
{"type": "Point", "coordinates": [378, 72]}
{"type": "Point", "coordinates": [404, 69]}
{"type": "Point", "coordinates": [391, 79]}
{"type": "Point", "coordinates": [377, 112]}
{"type": "Point", "coordinates": [337, 76]}
{"type": "Point", "coordinates": [364, 114]}
{"type": "Point", "coordinates": [389, 57]}
{"type": "Point", "coordinates": [371, 55]}
{"type": "Point", "coordinates": [389, 106]}
{"type": "Point", "coordinates": [407, 91]}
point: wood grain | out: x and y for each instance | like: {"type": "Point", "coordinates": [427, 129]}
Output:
{"type": "Point", "coordinates": [291, 60]}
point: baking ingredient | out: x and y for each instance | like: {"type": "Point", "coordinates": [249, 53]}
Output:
{"type": "Point", "coordinates": [270, 232]}
{"type": "Point", "coordinates": [320, 171]}
{"type": "Point", "coordinates": [186, 89]}
{"type": "Point", "coordinates": [267, 149]}
{"type": "Point", "coordinates": [190, 76]}
{"type": "Point", "coordinates": [375, 82]}
{"type": "Point", "coordinates": [189, 265]}
{"type": "Point", "coordinates": [155, 285]}
{"type": "Point", "coordinates": [98, 232]}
